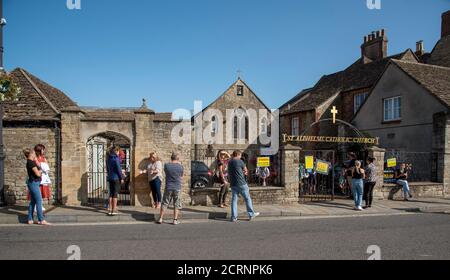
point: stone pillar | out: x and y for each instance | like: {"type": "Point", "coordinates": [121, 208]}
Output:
{"type": "Point", "coordinates": [143, 145]}
{"type": "Point", "coordinates": [441, 149]}
{"type": "Point", "coordinates": [378, 154]}
{"type": "Point", "coordinates": [71, 148]}
{"type": "Point", "coordinates": [290, 156]}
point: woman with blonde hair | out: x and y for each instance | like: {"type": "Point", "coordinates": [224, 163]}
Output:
{"type": "Point", "coordinates": [154, 172]}
{"type": "Point", "coordinates": [358, 175]}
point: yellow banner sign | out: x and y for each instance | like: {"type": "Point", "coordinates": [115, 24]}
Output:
{"type": "Point", "coordinates": [329, 139]}
{"type": "Point", "coordinates": [392, 162]}
{"type": "Point", "coordinates": [309, 162]}
{"type": "Point", "coordinates": [323, 167]}
{"type": "Point", "coordinates": [263, 162]}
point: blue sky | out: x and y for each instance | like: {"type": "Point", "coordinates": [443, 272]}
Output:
{"type": "Point", "coordinates": [112, 53]}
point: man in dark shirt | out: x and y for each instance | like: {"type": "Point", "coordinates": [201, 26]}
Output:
{"type": "Point", "coordinates": [115, 179]}
{"type": "Point", "coordinates": [236, 174]}
{"type": "Point", "coordinates": [401, 175]}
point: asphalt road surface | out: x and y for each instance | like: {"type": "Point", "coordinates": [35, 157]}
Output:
{"type": "Point", "coordinates": [412, 236]}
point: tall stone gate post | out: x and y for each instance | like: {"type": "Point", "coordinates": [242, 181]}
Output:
{"type": "Point", "coordinates": [290, 178]}
{"type": "Point", "coordinates": [143, 145]}
{"type": "Point", "coordinates": [378, 154]}
{"type": "Point", "coordinates": [71, 149]}
{"type": "Point", "coordinates": [441, 149]}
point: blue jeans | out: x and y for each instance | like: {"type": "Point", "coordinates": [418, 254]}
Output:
{"type": "Point", "coordinates": [35, 200]}
{"type": "Point", "coordinates": [358, 191]}
{"type": "Point", "coordinates": [245, 192]}
{"type": "Point", "coordinates": [155, 186]}
{"type": "Point", "coordinates": [405, 186]}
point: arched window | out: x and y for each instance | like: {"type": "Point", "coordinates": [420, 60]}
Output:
{"type": "Point", "coordinates": [240, 125]}
{"type": "Point", "coordinates": [263, 126]}
{"type": "Point", "coordinates": [214, 126]}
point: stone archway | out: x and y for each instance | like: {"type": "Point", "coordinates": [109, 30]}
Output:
{"type": "Point", "coordinates": [95, 181]}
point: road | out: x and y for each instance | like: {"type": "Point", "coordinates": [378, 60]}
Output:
{"type": "Point", "coordinates": [412, 236]}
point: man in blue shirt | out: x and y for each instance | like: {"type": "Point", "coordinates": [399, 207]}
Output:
{"type": "Point", "coordinates": [236, 173]}
{"type": "Point", "coordinates": [115, 179]}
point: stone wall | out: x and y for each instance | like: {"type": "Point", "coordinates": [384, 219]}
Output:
{"type": "Point", "coordinates": [163, 145]}
{"type": "Point", "coordinates": [16, 139]}
{"type": "Point", "coordinates": [378, 154]}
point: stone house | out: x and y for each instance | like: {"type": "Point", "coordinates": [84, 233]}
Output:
{"type": "Point", "coordinates": [412, 101]}
{"type": "Point", "coordinates": [77, 140]}
{"type": "Point", "coordinates": [346, 89]}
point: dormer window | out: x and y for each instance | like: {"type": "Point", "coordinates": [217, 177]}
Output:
{"type": "Point", "coordinates": [240, 91]}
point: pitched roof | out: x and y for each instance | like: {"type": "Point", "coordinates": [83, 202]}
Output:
{"type": "Point", "coordinates": [229, 88]}
{"type": "Point", "coordinates": [108, 114]}
{"type": "Point", "coordinates": [37, 100]}
{"type": "Point", "coordinates": [435, 79]}
{"type": "Point", "coordinates": [357, 76]}
{"type": "Point", "coordinates": [441, 53]}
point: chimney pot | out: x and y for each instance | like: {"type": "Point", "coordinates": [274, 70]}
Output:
{"type": "Point", "coordinates": [375, 46]}
{"type": "Point", "coordinates": [378, 34]}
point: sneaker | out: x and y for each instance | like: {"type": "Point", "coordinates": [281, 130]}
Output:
{"type": "Point", "coordinates": [254, 215]}
{"type": "Point", "coordinates": [234, 220]}
{"type": "Point", "coordinates": [405, 199]}
{"type": "Point", "coordinates": [160, 221]}
{"type": "Point", "coordinates": [114, 214]}
{"type": "Point", "coordinates": [360, 208]}
{"type": "Point", "coordinates": [176, 222]}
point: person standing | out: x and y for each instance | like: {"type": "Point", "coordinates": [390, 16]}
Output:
{"type": "Point", "coordinates": [349, 171]}
{"type": "Point", "coordinates": [33, 184]}
{"type": "Point", "coordinates": [221, 177]}
{"type": "Point", "coordinates": [401, 175]}
{"type": "Point", "coordinates": [236, 173]}
{"type": "Point", "coordinates": [371, 181]}
{"type": "Point", "coordinates": [358, 185]}
{"type": "Point", "coordinates": [115, 179]}
{"type": "Point", "coordinates": [174, 172]}
{"type": "Point", "coordinates": [41, 161]}
{"type": "Point", "coordinates": [154, 172]}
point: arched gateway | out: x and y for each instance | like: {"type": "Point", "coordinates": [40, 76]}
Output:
{"type": "Point", "coordinates": [326, 145]}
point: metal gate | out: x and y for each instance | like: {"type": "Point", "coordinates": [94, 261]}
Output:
{"type": "Point", "coordinates": [97, 183]}
{"type": "Point", "coordinates": [313, 185]}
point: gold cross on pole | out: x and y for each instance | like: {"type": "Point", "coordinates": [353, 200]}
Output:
{"type": "Point", "coordinates": [334, 112]}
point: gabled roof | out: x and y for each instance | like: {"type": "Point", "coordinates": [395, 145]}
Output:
{"type": "Point", "coordinates": [435, 79]}
{"type": "Point", "coordinates": [359, 75]}
{"type": "Point", "coordinates": [441, 53]}
{"type": "Point", "coordinates": [38, 101]}
{"type": "Point", "coordinates": [225, 92]}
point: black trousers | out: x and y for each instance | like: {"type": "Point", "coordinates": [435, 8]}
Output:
{"type": "Point", "coordinates": [368, 192]}
{"type": "Point", "coordinates": [223, 193]}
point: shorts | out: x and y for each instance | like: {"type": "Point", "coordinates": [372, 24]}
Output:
{"type": "Point", "coordinates": [114, 188]}
{"type": "Point", "coordinates": [170, 196]}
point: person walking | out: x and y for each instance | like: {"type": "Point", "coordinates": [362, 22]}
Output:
{"type": "Point", "coordinates": [358, 185]}
{"type": "Point", "coordinates": [236, 173]}
{"type": "Point", "coordinates": [34, 180]}
{"type": "Point", "coordinates": [401, 175]}
{"type": "Point", "coordinates": [221, 177]}
{"type": "Point", "coordinates": [174, 172]}
{"type": "Point", "coordinates": [115, 179]}
{"type": "Point", "coordinates": [154, 171]}
{"type": "Point", "coordinates": [371, 181]}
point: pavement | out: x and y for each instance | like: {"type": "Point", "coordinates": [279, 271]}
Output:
{"type": "Point", "coordinates": [339, 207]}
{"type": "Point", "coordinates": [415, 236]}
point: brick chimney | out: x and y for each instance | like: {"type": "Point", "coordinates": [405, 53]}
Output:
{"type": "Point", "coordinates": [445, 31]}
{"type": "Point", "coordinates": [375, 46]}
{"type": "Point", "coordinates": [420, 49]}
